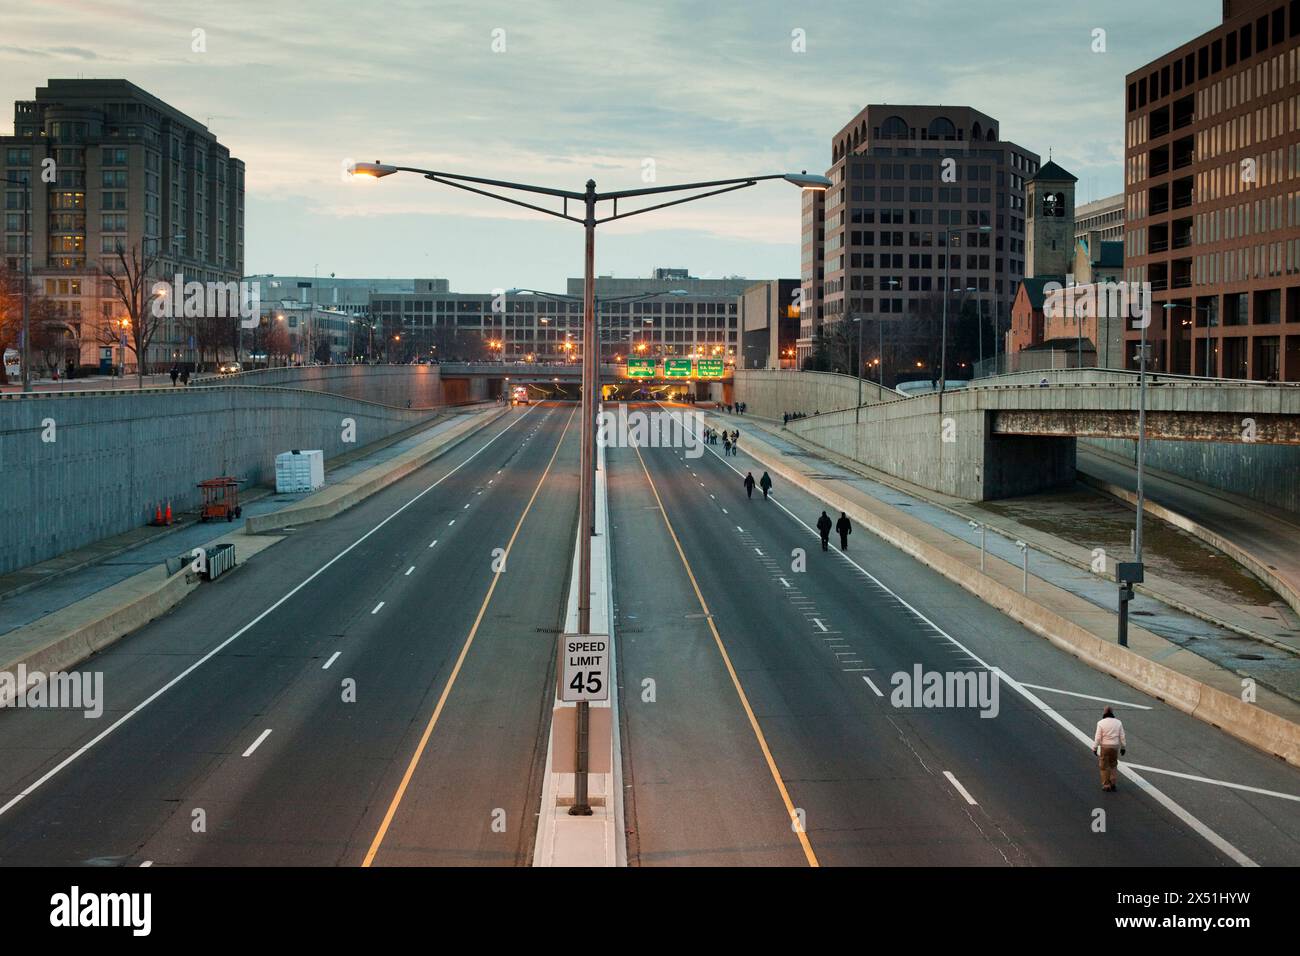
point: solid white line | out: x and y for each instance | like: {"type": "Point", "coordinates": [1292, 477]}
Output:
{"type": "Point", "coordinates": [872, 686]}
{"type": "Point", "coordinates": [1205, 832]}
{"type": "Point", "coordinates": [377, 607]}
{"type": "Point", "coordinates": [331, 660]}
{"type": "Point", "coordinates": [960, 789]}
{"type": "Point", "coordinates": [49, 774]}
{"type": "Point", "coordinates": [1070, 693]}
{"type": "Point", "coordinates": [408, 571]}
{"type": "Point", "coordinates": [819, 624]}
{"type": "Point", "coordinates": [258, 742]}
{"type": "Point", "coordinates": [1217, 783]}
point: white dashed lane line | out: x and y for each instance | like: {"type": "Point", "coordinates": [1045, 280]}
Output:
{"type": "Point", "coordinates": [377, 607]}
{"type": "Point", "coordinates": [258, 742]}
{"type": "Point", "coordinates": [333, 658]}
{"type": "Point", "coordinates": [960, 789]}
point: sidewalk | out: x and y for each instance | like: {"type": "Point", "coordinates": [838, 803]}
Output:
{"type": "Point", "coordinates": [31, 594]}
{"type": "Point", "coordinates": [1210, 653]}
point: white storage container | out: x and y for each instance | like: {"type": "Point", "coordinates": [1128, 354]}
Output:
{"type": "Point", "coordinates": [298, 471]}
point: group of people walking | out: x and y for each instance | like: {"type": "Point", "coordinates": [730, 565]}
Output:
{"type": "Point", "coordinates": [843, 527]}
{"type": "Point", "coordinates": [765, 483]}
{"type": "Point", "coordinates": [730, 440]}
{"type": "Point", "coordinates": [738, 408]}
{"type": "Point", "coordinates": [788, 417]}
{"type": "Point", "coordinates": [180, 373]}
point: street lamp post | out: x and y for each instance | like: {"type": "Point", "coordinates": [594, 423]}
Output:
{"type": "Point", "coordinates": [589, 221]}
{"type": "Point", "coordinates": [27, 281]}
{"type": "Point", "coordinates": [947, 282]}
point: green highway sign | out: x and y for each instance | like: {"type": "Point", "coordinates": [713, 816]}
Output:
{"type": "Point", "coordinates": [710, 368]}
{"type": "Point", "coordinates": [640, 368]}
{"type": "Point", "coordinates": [677, 368]}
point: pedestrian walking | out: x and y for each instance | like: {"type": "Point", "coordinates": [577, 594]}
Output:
{"type": "Point", "coordinates": [1109, 744]}
{"type": "Point", "coordinates": [824, 529]}
{"type": "Point", "coordinates": [726, 447]}
{"type": "Point", "coordinates": [845, 528]}
{"type": "Point", "coordinates": [176, 373]}
{"type": "Point", "coordinates": [749, 485]}
{"type": "Point", "coordinates": [785, 419]}
{"type": "Point", "coordinates": [766, 484]}
{"type": "Point", "coordinates": [185, 376]}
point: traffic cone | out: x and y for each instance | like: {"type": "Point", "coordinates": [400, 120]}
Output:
{"type": "Point", "coordinates": [157, 514]}
{"type": "Point", "coordinates": [169, 512]}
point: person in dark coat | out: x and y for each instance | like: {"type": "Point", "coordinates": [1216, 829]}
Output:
{"type": "Point", "coordinates": [185, 376]}
{"type": "Point", "coordinates": [749, 485]}
{"type": "Point", "coordinates": [726, 446]}
{"type": "Point", "coordinates": [766, 484]}
{"type": "Point", "coordinates": [176, 373]}
{"type": "Point", "coordinates": [824, 529]}
{"type": "Point", "coordinates": [845, 528]}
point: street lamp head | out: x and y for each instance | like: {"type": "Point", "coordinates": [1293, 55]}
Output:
{"type": "Point", "coordinates": [375, 170]}
{"type": "Point", "coordinates": [806, 181]}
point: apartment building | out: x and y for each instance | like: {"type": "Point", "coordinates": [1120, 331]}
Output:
{"type": "Point", "coordinates": [103, 165]}
{"type": "Point", "coordinates": [1212, 200]}
{"type": "Point", "coordinates": [913, 189]}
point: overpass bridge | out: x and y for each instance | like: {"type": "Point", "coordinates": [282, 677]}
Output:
{"type": "Point", "coordinates": [1012, 435]}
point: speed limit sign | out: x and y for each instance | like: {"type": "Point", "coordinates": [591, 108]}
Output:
{"type": "Point", "coordinates": [584, 667]}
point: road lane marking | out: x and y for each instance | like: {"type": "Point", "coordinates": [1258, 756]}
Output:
{"type": "Point", "coordinates": [408, 571]}
{"type": "Point", "coordinates": [725, 511]}
{"type": "Point", "coordinates": [377, 607]}
{"type": "Point", "coordinates": [784, 582]}
{"type": "Point", "coordinates": [460, 661]}
{"type": "Point", "coordinates": [84, 748]}
{"type": "Point", "coordinates": [1217, 783]}
{"type": "Point", "coordinates": [451, 522]}
{"type": "Point", "coordinates": [333, 658]}
{"type": "Point", "coordinates": [872, 685]}
{"type": "Point", "coordinates": [433, 542]}
{"type": "Point", "coordinates": [809, 855]}
{"type": "Point", "coordinates": [147, 863]}
{"type": "Point", "coordinates": [818, 622]}
{"type": "Point", "coordinates": [960, 789]}
{"type": "Point", "coordinates": [1195, 824]}
{"type": "Point", "coordinates": [258, 742]}
{"type": "Point", "coordinates": [1104, 700]}
{"type": "Point", "coordinates": [466, 505]}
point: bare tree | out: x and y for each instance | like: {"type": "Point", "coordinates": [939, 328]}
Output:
{"type": "Point", "coordinates": [131, 283]}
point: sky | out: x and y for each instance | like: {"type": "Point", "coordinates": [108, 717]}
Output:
{"type": "Point", "coordinates": [555, 93]}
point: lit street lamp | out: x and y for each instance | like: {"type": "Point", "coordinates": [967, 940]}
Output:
{"type": "Point", "coordinates": [589, 200]}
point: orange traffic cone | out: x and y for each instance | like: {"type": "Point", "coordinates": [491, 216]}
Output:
{"type": "Point", "coordinates": [169, 511]}
{"type": "Point", "coordinates": [157, 514]}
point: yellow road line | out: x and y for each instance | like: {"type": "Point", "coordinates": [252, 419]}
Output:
{"type": "Point", "coordinates": [735, 680]}
{"type": "Point", "coordinates": [460, 660]}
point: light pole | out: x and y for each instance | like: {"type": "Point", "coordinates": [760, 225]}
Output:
{"type": "Point", "coordinates": [947, 281]}
{"type": "Point", "coordinates": [589, 220]}
{"type": "Point", "coordinates": [27, 280]}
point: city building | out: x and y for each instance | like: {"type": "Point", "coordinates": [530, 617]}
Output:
{"type": "Point", "coordinates": [1212, 219]}
{"type": "Point", "coordinates": [669, 314]}
{"type": "Point", "coordinates": [322, 313]}
{"type": "Point", "coordinates": [1105, 216]}
{"type": "Point", "coordinates": [111, 167]}
{"type": "Point", "coordinates": [769, 324]}
{"type": "Point", "coordinates": [905, 178]}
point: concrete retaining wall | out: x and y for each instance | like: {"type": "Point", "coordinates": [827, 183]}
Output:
{"type": "Point", "coordinates": [772, 393]}
{"type": "Point", "coordinates": [1267, 473]}
{"type": "Point", "coordinates": [420, 385]}
{"type": "Point", "coordinates": [80, 466]}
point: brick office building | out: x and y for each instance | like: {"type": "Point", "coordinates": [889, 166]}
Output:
{"type": "Point", "coordinates": [1212, 156]}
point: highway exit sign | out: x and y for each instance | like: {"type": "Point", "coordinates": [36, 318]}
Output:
{"type": "Point", "coordinates": [677, 368]}
{"type": "Point", "coordinates": [640, 368]}
{"type": "Point", "coordinates": [710, 368]}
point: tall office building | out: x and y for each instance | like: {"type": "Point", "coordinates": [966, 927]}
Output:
{"type": "Point", "coordinates": [1212, 156]}
{"type": "Point", "coordinates": [128, 171]}
{"type": "Point", "coordinates": [904, 178]}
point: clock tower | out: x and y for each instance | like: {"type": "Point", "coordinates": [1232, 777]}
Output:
{"type": "Point", "coordinates": [1049, 199]}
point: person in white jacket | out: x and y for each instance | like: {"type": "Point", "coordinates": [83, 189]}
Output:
{"type": "Point", "coordinates": [1109, 744]}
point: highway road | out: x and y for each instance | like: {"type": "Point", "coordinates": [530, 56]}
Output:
{"type": "Point", "coordinates": [772, 704]}
{"type": "Point", "coordinates": [371, 691]}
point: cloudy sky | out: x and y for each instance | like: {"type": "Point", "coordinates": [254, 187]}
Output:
{"type": "Point", "coordinates": [581, 90]}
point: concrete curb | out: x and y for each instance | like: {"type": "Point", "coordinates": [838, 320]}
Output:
{"type": "Point", "coordinates": [67, 637]}
{"type": "Point", "coordinates": [335, 499]}
{"type": "Point", "coordinates": [1213, 539]}
{"type": "Point", "coordinates": [1252, 724]}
